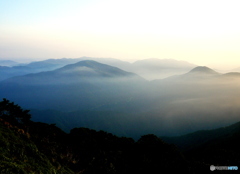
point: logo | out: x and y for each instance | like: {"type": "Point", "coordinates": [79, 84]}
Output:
{"type": "Point", "coordinates": [212, 167]}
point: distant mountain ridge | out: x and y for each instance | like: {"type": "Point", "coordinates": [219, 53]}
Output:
{"type": "Point", "coordinates": [106, 97]}
{"type": "Point", "coordinates": [198, 138]}
{"type": "Point", "coordinates": [8, 63]}
{"type": "Point", "coordinates": [202, 73]}
{"type": "Point", "coordinates": [147, 68]}
{"type": "Point", "coordinates": [214, 147]}
{"type": "Point", "coordinates": [97, 69]}
{"type": "Point", "coordinates": [83, 70]}
{"type": "Point", "coordinates": [153, 68]}
{"type": "Point", "coordinates": [203, 69]}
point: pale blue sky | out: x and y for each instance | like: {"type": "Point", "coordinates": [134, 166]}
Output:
{"type": "Point", "coordinates": [205, 32]}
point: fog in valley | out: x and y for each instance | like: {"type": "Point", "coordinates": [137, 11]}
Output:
{"type": "Point", "coordinates": [87, 93]}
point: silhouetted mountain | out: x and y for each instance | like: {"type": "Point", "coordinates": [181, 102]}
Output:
{"type": "Point", "coordinates": [199, 138]}
{"type": "Point", "coordinates": [8, 63]}
{"type": "Point", "coordinates": [37, 147]}
{"type": "Point", "coordinates": [214, 147]}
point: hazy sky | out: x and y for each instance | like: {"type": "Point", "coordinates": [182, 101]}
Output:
{"type": "Point", "coordinates": [204, 32]}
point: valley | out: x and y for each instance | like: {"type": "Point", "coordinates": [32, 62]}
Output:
{"type": "Point", "coordinates": [103, 97]}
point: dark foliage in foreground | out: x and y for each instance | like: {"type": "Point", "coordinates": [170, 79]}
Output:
{"type": "Point", "coordinates": [35, 147]}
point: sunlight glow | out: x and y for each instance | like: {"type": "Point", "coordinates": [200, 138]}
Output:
{"type": "Point", "coordinates": [201, 32]}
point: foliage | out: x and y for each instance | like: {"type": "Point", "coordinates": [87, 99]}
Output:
{"type": "Point", "coordinates": [13, 113]}
{"type": "Point", "coordinates": [42, 148]}
{"type": "Point", "coordinates": [19, 154]}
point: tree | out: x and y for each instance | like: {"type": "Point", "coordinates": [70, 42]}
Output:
{"type": "Point", "coordinates": [13, 113]}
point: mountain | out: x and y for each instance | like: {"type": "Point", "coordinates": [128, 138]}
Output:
{"type": "Point", "coordinates": [160, 68]}
{"type": "Point", "coordinates": [33, 67]}
{"type": "Point", "coordinates": [124, 65]}
{"type": "Point", "coordinates": [203, 70]}
{"type": "Point", "coordinates": [22, 154]}
{"type": "Point", "coordinates": [87, 84]}
{"type": "Point", "coordinates": [83, 71]}
{"type": "Point", "coordinates": [103, 97]}
{"type": "Point", "coordinates": [197, 75]}
{"type": "Point", "coordinates": [203, 73]}
{"type": "Point", "coordinates": [94, 69]}
{"type": "Point", "coordinates": [199, 138]}
{"type": "Point", "coordinates": [8, 63]}
{"type": "Point", "coordinates": [231, 75]}
{"type": "Point", "coordinates": [45, 148]}
{"type": "Point", "coordinates": [35, 147]}
{"type": "Point", "coordinates": [7, 72]}
{"type": "Point", "coordinates": [52, 64]}
{"type": "Point", "coordinates": [200, 73]}
{"type": "Point", "coordinates": [148, 68]}
{"type": "Point", "coordinates": [215, 147]}
{"type": "Point", "coordinates": [199, 99]}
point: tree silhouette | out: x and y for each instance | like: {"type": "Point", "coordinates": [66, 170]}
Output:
{"type": "Point", "coordinates": [13, 113]}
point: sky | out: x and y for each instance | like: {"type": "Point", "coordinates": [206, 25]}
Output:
{"type": "Point", "coordinates": [205, 32]}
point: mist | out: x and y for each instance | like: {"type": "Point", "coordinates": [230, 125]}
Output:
{"type": "Point", "coordinates": [103, 97]}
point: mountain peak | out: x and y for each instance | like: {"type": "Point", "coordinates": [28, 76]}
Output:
{"type": "Point", "coordinates": [203, 70]}
{"type": "Point", "coordinates": [94, 68]}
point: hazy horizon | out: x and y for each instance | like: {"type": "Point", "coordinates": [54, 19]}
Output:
{"type": "Point", "coordinates": [220, 69]}
{"type": "Point", "coordinates": [205, 33]}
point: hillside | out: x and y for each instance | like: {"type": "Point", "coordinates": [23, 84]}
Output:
{"type": "Point", "coordinates": [36, 147]}
{"type": "Point", "coordinates": [198, 138]}
{"type": "Point", "coordinates": [207, 145]}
